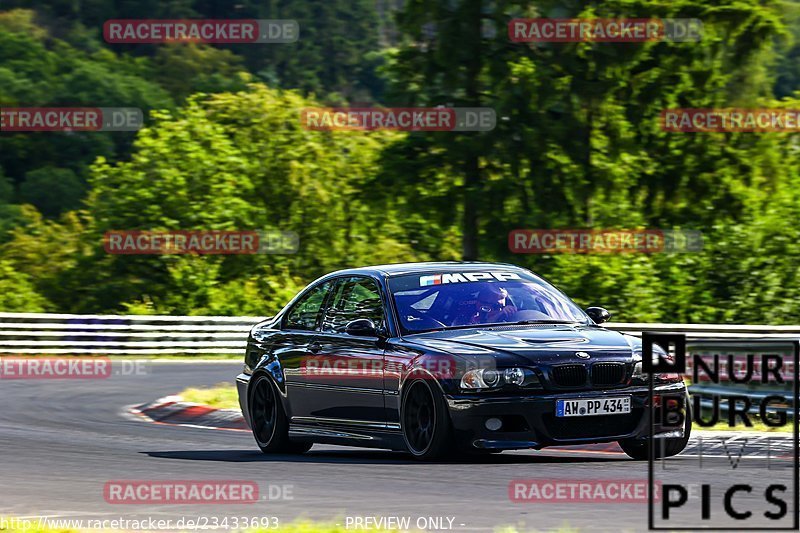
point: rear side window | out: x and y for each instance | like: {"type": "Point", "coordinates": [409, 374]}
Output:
{"type": "Point", "coordinates": [305, 313]}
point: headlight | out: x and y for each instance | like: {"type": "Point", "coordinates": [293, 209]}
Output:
{"type": "Point", "coordinates": [474, 379]}
{"type": "Point", "coordinates": [638, 367]}
{"type": "Point", "coordinates": [491, 378]}
{"type": "Point", "coordinates": [486, 378]}
{"type": "Point", "coordinates": [638, 373]}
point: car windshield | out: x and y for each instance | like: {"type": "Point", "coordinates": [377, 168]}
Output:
{"type": "Point", "coordinates": [429, 301]}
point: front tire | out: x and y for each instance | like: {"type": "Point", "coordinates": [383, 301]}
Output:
{"type": "Point", "coordinates": [269, 422]}
{"type": "Point", "coordinates": [639, 449]}
{"type": "Point", "coordinates": [426, 426]}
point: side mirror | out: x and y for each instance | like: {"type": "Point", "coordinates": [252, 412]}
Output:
{"type": "Point", "coordinates": [362, 327]}
{"type": "Point", "coordinates": [598, 314]}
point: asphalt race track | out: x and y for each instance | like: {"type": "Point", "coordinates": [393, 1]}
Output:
{"type": "Point", "coordinates": [62, 440]}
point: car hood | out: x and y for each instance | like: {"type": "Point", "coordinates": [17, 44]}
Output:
{"type": "Point", "coordinates": [531, 344]}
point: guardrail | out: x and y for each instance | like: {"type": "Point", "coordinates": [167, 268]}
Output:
{"type": "Point", "coordinates": [44, 333]}
{"type": "Point", "coordinates": [711, 331]}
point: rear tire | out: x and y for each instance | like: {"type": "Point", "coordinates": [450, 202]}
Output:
{"type": "Point", "coordinates": [426, 426]}
{"type": "Point", "coordinates": [269, 422]}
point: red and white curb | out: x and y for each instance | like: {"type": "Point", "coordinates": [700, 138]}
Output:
{"type": "Point", "coordinates": [173, 411]}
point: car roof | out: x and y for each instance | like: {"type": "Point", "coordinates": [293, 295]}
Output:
{"type": "Point", "coordinates": [400, 269]}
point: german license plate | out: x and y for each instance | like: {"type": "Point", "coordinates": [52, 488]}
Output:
{"type": "Point", "coordinates": [619, 405]}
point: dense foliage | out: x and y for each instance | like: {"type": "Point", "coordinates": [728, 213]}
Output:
{"type": "Point", "coordinates": [578, 145]}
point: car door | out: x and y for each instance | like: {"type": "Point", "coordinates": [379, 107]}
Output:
{"type": "Point", "coordinates": [293, 346]}
{"type": "Point", "coordinates": [348, 376]}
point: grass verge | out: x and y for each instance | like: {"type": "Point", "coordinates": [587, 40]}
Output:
{"type": "Point", "coordinates": [18, 526]}
{"type": "Point", "coordinates": [294, 527]}
{"type": "Point", "coordinates": [758, 425]}
{"type": "Point", "coordinates": [220, 396]}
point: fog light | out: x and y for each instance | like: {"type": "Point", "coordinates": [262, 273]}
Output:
{"type": "Point", "coordinates": [493, 424]}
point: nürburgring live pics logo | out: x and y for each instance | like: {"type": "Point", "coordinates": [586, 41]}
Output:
{"type": "Point", "coordinates": [746, 379]}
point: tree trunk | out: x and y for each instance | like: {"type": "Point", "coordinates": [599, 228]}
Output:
{"type": "Point", "coordinates": [472, 170]}
{"type": "Point", "coordinates": [472, 180]}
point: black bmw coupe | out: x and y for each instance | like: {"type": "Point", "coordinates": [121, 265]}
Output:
{"type": "Point", "coordinates": [440, 358]}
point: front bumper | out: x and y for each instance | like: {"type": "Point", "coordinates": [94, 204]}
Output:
{"type": "Point", "coordinates": [530, 421]}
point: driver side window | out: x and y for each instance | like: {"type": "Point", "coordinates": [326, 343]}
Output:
{"type": "Point", "coordinates": [305, 313]}
{"type": "Point", "coordinates": [353, 298]}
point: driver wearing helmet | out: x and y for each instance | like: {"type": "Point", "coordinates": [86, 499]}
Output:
{"type": "Point", "coordinates": [491, 306]}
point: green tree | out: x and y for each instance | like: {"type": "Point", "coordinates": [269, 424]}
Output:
{"type": "Point", "coordinates": [37, 69]}
{"type": "Point", "coordinates": [335, 57]}
{"type": "Point", "coordinates": [183, 69]}
{"type": "Point", "coordinates": [6, 189]}
{"type": "Point", "coordinates": [238, 161]}
{"type": "Point", "coordinates": [17, 293]}
{"type": "Point", "coordinates": [52, 190]}
{"type": "Point", "coordinates": [788, 64]}
{"type": "Point", "coordinates": [43, 254]}
{"type": "Point", "coordinates": [10, 215]}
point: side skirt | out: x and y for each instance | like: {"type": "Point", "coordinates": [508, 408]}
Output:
{"type": "Point", "coordinates": [347, 433]}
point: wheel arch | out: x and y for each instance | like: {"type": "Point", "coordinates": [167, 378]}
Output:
{"type": "Point", "coordinates": [270, 372]}
{"type": "Point", "coordinates": [415, 374]}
